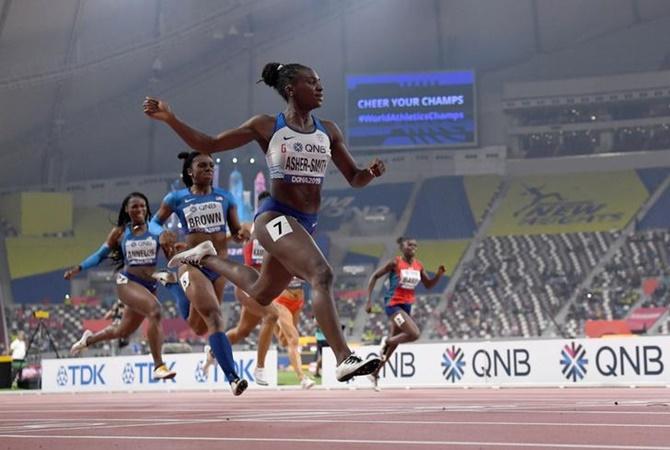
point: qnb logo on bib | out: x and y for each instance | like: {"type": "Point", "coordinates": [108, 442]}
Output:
{"type": "Point", "coordinates": [409, 278]}
{"type": "Point", "coordinates": [141, 251]}
{"type": "Point", "coordinates": [205, 217]}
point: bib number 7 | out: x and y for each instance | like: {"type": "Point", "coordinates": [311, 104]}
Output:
{"type": "Point", "coordinates": [278, 228]}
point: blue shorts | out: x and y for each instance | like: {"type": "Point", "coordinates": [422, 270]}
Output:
{"type": "Point", "coordinates": [308, 221]}
{"type": "Point", "coordinates": [390, 310]}
{"type": "Point", "coordinates": [210, 274]}
{"type": "Point", "coordinates": [150, 285]}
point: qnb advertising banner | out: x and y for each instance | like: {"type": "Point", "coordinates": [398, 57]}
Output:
{"type": "Point", "coordinates": [404, 110]}
{"type": "Point", "coordinates": [578, 362]}
{"type": "Point", "coordinates": [134, 373]}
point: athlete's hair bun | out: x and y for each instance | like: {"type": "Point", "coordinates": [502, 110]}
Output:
{"type": "Point", "coordinates": [183, 155]}
{"type": "Point", "coordinates": [400, 240]}
{"type": "Point", "coordinates": [270, 74]}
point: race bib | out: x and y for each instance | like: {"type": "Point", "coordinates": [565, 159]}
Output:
{"type": "Point", "coordinates": [141, 252]}
{"type": "Point", "coordinates": [409, 278]}
{"type": "Point", "coordinates": [257, 252]}
{"type": "Point", "coordinates": [205, 217]}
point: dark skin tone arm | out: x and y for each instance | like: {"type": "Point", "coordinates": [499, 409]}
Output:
{"type": "Point", "coordinates": [383, 270]}
{"type": "Point", "coordinates": [428, 282]}
{"type": "Point", "coordinates": [112, 242]}
{"type": "Point", "coordinates": [259, 129]}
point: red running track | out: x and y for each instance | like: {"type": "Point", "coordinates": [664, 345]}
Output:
{"type": "Point", "coordinates": [580, 418]}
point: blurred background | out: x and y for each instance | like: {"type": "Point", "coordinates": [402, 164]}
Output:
{"type": "Point", "coordinates": [527, 145]}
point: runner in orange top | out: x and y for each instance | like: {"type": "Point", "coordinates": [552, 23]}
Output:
{"type": "Point", "coordinates": [405, 274]}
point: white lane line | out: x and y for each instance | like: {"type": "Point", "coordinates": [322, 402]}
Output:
{"type": "Point", "coordinates": [345, 441]}
{"type": "Point", "coordinates": [439, 422]}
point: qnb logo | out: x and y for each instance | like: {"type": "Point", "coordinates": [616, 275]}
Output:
{"type": "Point", "coordinates": [453, 363]}
{"type": "Point", "coordinates": [61, 376]}
{"type": "Point", "coordinates": [297, 146]}
{"type": "Point", "coordinates": [574, 362]}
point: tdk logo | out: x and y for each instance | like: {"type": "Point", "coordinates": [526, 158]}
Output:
{"type": "Point", "coordinates": [81, 375]}
{"type": "Point", "coordinates": [243, 367]}
{"type": "Point", "coordinates": [142, 373]}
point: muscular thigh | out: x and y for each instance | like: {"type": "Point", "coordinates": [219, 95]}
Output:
{"type": "Point", "coordinates": [136, 297]}
{"type": "Point", "coordinates": [288, 242]}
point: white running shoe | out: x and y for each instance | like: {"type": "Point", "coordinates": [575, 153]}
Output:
{"type": "Point", "coordinates": [307, 382]}
{"type": "Point", "coordinates": [163, 373]}
{"type": "Point", "coordinates": [80, 345]}
{"type": "Point", "coordinates": [259, 376]}
{"type": "Point", "coordinates": [193, 256]}
{"type": "Point", "coordinates": [238, 386]}
{"type": "Point", "coordinates": [165, 277]}
{"type": "Point", "coordinates": [210, 360]}
{"type": "Point", "coordinates": [354, 366]}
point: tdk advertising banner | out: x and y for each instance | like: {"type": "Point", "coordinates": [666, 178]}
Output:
{"type": "Point", "coordinates": [134, 373]}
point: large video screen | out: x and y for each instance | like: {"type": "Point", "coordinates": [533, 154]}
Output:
{"type": "Point", "coordinates": [407, 110]}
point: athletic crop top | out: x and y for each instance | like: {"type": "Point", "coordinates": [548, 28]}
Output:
{"type": "Point", "coordinates": [201, 213]}
{"type": "Point", "coordinates": [297, 157]}
{"type": "Point", "coordinates": [139, 250]}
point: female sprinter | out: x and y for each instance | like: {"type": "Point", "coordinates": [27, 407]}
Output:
{"type": "Point", "coordinates": [297, 148]}
{"type": "Point", "coordinates": [137, 247]}
{"type": "Point", "coordinates": [205, 214]}
{"type": "Point", "coordinates": [405, 273]}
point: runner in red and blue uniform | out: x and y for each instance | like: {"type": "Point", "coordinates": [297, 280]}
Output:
{"type": "Point", "coordinates": [405, 274]}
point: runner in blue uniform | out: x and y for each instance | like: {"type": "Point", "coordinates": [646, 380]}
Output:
{"type": "Point", "coordinates": [135, 246]}
{"type": "Point", "coordinates": [206, 214]}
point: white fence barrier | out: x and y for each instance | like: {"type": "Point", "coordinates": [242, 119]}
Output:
{"type": "Point", "coordinates": [133, 373]}
{"type": "Point", "coordinates": [635, 361]}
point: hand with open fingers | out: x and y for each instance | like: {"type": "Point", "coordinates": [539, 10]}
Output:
{"type": "Point", "coordinates": [377, 168]}
{"type": "Point", "coordinates": [156, 109]}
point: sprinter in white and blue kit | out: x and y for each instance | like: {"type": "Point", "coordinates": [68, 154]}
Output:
{"type": "Point", "coordinates": [135, 246]}
{"type": "Point", "coordinates": [298, 147]}
{"type": "Point", "coordinates": [206, 214]}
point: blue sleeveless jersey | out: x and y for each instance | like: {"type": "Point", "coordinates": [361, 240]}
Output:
{"type": "Point", "coordinates": [201, 213]}
{"type": "Point", "coordinates": [139, 250]}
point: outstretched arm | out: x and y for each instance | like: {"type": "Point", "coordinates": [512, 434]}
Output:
{"type": "Point", "coordinates": [383, 270]}
{"type": "Point", "coordinates": [98, 256]}
{"type": "Point", "coordinates": [428, 282]}
{"type": "Point", "coordinates": [356, 176]}
{"type": "Point", "coordinates": [166, 239]}
{"type": "Point", "coordinates": [254, 129]}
